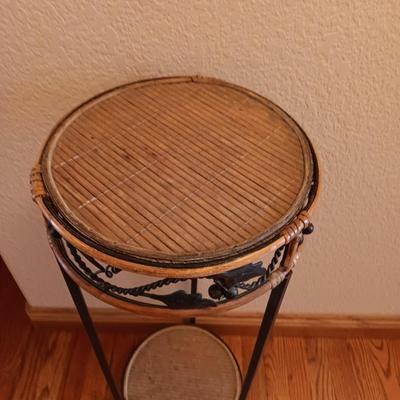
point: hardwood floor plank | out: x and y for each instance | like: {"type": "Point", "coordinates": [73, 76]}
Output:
{"type": "Point", "coordinates": [275, 376]}
{"type": "Point", "coordinates": [394, 349]}
{"type": "Point", "coordinates": [15, 330]}
{"type": "Point", "coordinates": [43, 366]}
{"type": "Point", "coordinates": [374, 362]}
{"type": "Point", "coordinates": [293, 358]}
{"type": "Point", "coordinates": [320, 373]}
{"type": "Point", "coordinates": [93, 384]}
{"type": "Point", "coordinates": [337, 352]}
{"type": "Point", "coordinates": [75, 371]}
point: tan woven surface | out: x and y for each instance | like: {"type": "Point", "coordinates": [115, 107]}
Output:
{"type": "Point", "coordinates": [182, 362]}
{"type": "Point", "coordinates": [178, 169]}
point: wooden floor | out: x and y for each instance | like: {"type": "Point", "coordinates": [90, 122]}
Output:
{"type": "Point", "coordinates": [54, 364]}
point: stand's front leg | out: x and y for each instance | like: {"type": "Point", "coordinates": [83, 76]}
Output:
{"type": "Point", "coordinates": [87, 322]}
{"type": "Point", "coordinates": [270, 314]}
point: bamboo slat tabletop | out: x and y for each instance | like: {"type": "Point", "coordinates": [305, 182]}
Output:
{"type": "Point", "coordinates": [178, 168]}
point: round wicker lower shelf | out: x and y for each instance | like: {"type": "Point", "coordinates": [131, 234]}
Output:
{"type": "Point", "coordinates": [182, 362]}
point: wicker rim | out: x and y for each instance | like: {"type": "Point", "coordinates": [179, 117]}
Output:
{"type": "Point", "coordinates": [127, 260]}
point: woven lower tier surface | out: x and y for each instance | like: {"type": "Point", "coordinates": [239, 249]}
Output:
{"type": "Point", "coordinates": [182, 362]}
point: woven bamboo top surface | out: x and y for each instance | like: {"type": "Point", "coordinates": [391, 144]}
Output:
{"type": "Point", "coordinates": [177, 169]}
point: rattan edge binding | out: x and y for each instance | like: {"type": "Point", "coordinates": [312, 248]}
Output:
{"type": "Point", "coordinates": [288, 236]}
{"type": "Point", "coordinates": [289, 233]}
{"type": "Point", "coordinates": [288, 263]}
{"type": "Point", "coordinates": [295, 228]}
{"type": "Point", "coordinates": [37, 185]}
{"type": "Point", "coordinates": [275, 278]}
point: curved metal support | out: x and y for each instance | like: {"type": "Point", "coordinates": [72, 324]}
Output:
{"type": "Point", "coordinates": [247, 278]}
{"type": "Point", "coordinates": [223, 287]}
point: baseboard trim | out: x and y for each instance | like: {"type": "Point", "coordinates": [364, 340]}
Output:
{"type": "Point", "coordinates": [230, 323]}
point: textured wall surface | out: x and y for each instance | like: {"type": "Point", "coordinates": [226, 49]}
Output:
{"type": "Point", "coordinates": [333, 65]}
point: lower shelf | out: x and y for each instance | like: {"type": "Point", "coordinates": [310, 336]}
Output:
{"type": "Point", "coordinates": [182, 362]}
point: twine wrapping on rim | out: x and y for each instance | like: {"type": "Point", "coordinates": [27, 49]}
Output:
{"type": "Point", "coordinates": [295, 228]}
{"type": "Point", "coordinates": [36, 181]}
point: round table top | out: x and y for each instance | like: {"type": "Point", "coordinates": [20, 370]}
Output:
{"type": "Point", "coordinates": [177, 169]}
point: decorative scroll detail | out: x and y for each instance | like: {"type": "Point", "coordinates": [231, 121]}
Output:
{"type": "Point", "coordinates": [227, 284]}
{"type": "Point", "coordinates": [223, 287]}
{"type": "Point", "coordinates": [181, 299]}
{"type": "Point", "coordinates": [109, 287]}
{"type": "Point", "coordinates": [231, 278]}
{"type": "Point", "coordinates": [108, 270]}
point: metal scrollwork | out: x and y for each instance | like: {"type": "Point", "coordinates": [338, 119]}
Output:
{"type": "Point", "coordinates": [223, 287]}
{"type": "Point", "coordinates": [227, 284]}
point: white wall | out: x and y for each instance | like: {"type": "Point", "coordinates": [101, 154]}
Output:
{"type": "Point", "coordinates": [333, 65]}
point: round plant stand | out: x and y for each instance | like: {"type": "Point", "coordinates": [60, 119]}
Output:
{"type": "Point", "coordinates": [200, 190]}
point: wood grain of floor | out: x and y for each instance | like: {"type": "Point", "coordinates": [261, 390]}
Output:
{"type": "Point", "coordinates": [42, 364]}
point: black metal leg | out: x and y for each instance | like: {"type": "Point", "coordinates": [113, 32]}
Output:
{"type": "Point", "coordinates": [270, 314]}
{"type": "Point", "coordinates": [193, 290]}
{"type": "Point", "coordinates": [87, 322]}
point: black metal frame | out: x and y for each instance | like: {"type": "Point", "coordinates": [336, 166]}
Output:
{"type": "Point", "coordinates": [227, 281]}
{"type": "Point", "coordinates": [270, 314]}
{"type": "Point", "coordinates": [223, 287]}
